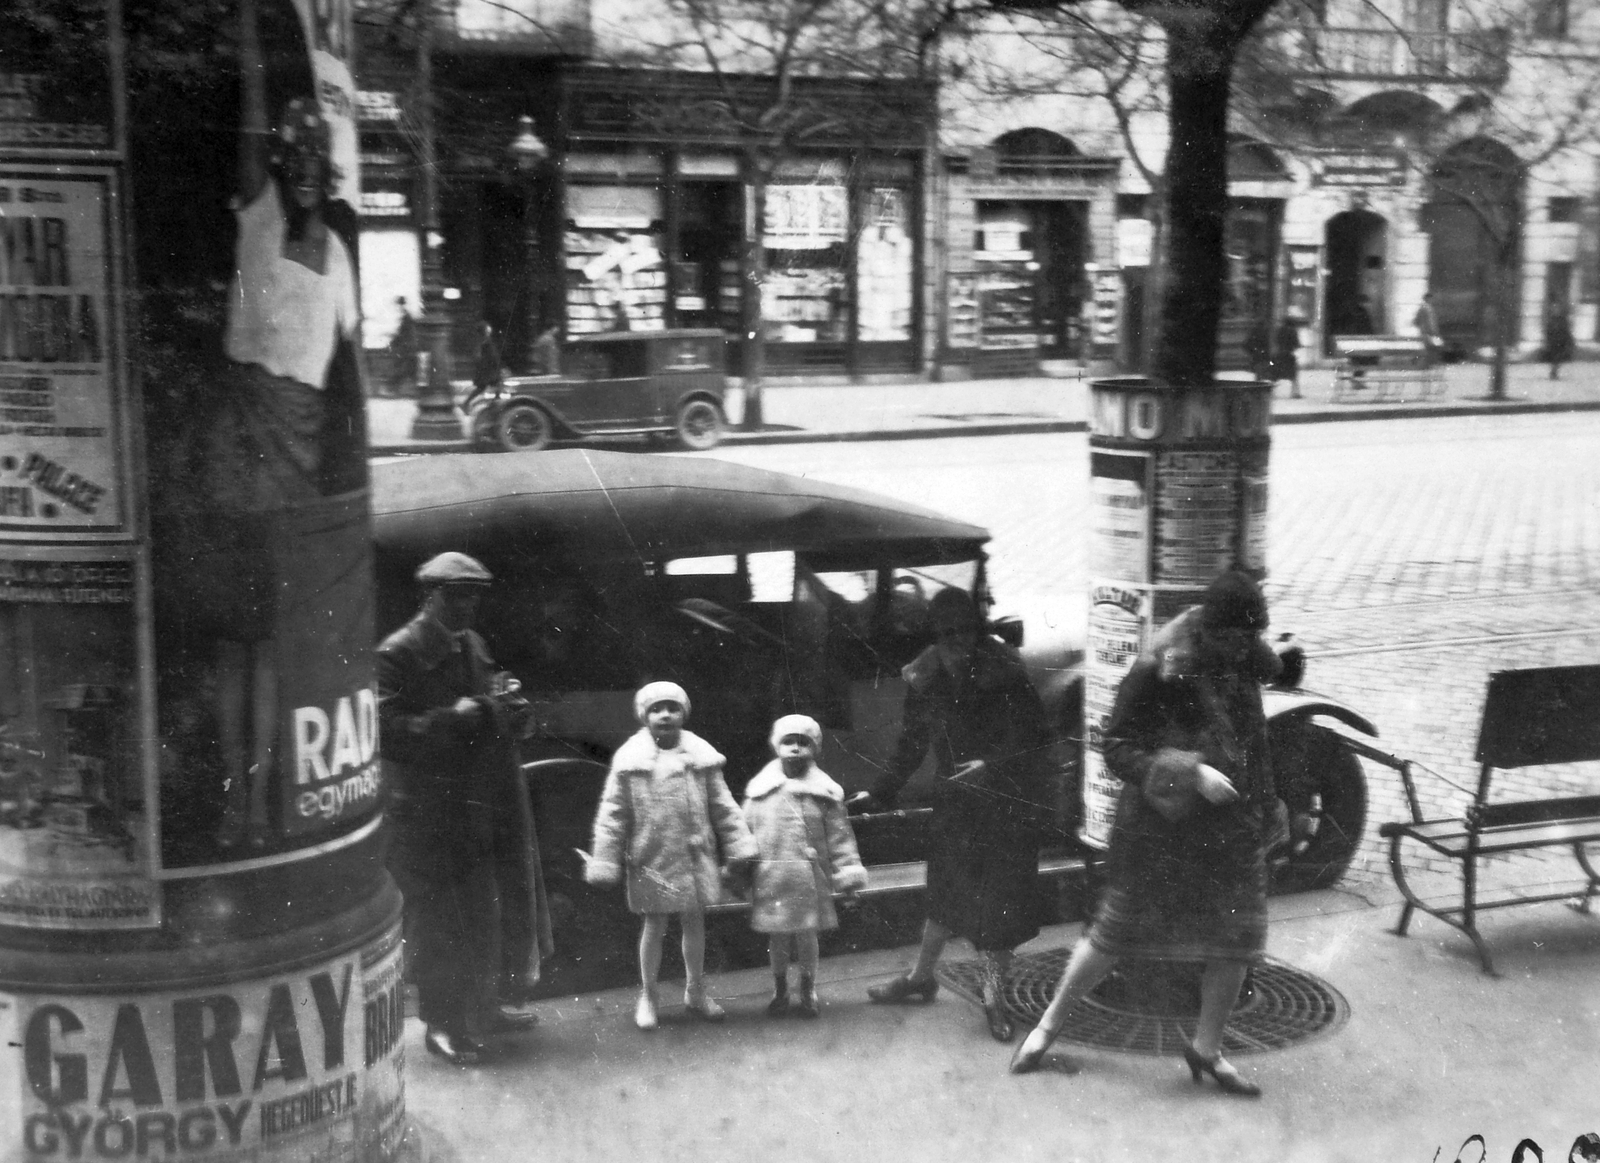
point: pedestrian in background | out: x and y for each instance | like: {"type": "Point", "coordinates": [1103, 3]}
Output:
{"type": "Point", "coordinates": [664, 814]}
{"type": "Point", "coordinates": [403, 352]}
{"type": "Point", "coordinates": [1426, 321]}
{"type": "Point", "coordinates": [487, 372]}
{"type": "Point", "coordinates": [1187, 867]}
{"type": "Point", "coordinates": [1286, 354]}
{"type": "Point", "coordinates": [462, 845]}
{"type": "Point", "coordinates": [969, 699]}
{"type": "Point", "coordinates": [1557, 337]}
{"type": "Point", "coordinates": [807, 853]}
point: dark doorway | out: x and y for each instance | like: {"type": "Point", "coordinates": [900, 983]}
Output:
{"type": "Point", "coordinates": [1354, 299]}
{"type": "Point", "coordinates": [705, 269]}
{"type": "Point", "coordinates": [1061, 230]}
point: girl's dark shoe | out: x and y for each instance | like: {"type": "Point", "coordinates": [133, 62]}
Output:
{"type": "Point", "coordinates": [456, 1049]}
{"type": "Point", "coordinates": [778, 1006]}
{"type": "Point", "coordinates": [1220, 1069]}
{"type": "Point", "coordinates": [904, 991]}
{"type": "Point", "coordinates": [807, 1004]}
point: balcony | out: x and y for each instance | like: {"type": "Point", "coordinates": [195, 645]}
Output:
{"type": "Point", "coordinates": [1386, 54]}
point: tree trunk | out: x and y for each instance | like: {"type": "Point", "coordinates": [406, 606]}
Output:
{"type": "Point", "coordinates": [1199, 69]}
{"type": "Point", "coordinates": [1155, 278]}
{"type": "Point", "coordinates": [752, 276]}
{"type": "Point", "coordinates": [1505, 310]}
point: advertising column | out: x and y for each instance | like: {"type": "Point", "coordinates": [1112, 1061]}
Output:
{"type": "Point", "coordinates": [1178, 493]}
{"type": "Point", "coordinates": [199, 948]}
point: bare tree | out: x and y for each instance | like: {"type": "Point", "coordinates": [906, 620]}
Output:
{"type": "Point", "coordinates": [1200, 42]}
{"type": "Point", "coordinates": [1521, 105]}
{"type": "Point", "coordinates": [785, 75]}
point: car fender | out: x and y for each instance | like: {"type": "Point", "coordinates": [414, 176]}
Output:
{"type": "Point", "coordinates": [1280, 705]}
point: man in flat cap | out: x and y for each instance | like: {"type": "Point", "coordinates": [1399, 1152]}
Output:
{"type": "Point", "coordinates": [462, 844]}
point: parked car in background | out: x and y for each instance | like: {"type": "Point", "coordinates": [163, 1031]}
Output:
{"type": "Point", "coordinates": [615, 383]}
{"type": "Point", "coordinates": [761, 593]}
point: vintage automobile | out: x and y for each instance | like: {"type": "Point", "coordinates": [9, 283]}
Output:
{"type": "Point", "coordinates": [616, 383]}
{"type": "Point", "coordinates": [761, 593]}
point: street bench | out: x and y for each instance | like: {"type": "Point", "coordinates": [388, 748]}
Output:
{"type": "Point", "coordinates": [1531, 718]}
{"type": "Point", "coordinates": [1385, 369]}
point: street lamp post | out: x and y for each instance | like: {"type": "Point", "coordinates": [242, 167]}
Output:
{"type": "Point", "coordinates": [528, 153]}
{"type": "Point", "coordinates": [436, 408]}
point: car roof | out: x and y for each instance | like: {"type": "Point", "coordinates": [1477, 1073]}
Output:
{"type": "Point", "coordinates": [586, 506]}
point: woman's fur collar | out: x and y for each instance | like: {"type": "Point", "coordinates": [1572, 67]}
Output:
{"type": "Point", "coordinates": [815, 782]}
{"type": "Point", "coordinates": [638, 752]}
{"type": "Point", "coordinates": [1177, 651]}
{"type": "Point", "coordinates": [991, 659]}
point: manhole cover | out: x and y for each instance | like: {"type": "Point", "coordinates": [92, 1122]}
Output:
{"type": "Point", "coordinates": [1146, 1008]}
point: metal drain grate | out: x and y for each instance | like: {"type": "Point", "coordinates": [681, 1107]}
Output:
{"type": "Point", "coordinates": [1145, 1008]}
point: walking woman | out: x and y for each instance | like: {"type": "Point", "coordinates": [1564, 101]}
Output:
{"type": "Point", "coordinates": [1188, 876]}
{"type": "Point", "coordinates": [970, 701]}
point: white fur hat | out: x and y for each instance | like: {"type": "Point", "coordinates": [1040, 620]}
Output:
{"type": "Point", "coordinates": [796, 725]}
{"type": "Point", "coordinates": [659, 692]}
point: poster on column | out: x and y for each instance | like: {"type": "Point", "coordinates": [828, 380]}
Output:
{"type": "Point", "coordinates": [1119, 628]}
{"type": "Point", "coordinates": [1197, 503]}
{"type": "Point", "coordinates": [76, 826]}
{"type": "Point", "coordinates": [62, 460]}
{"type": "Point", "coordinates": [255, 419]}
{"type": "Point", "coordinates": [296, 1066]}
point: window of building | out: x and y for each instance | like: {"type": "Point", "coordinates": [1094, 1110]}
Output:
{"type": "Point", "coordinates": [1550, 19]}
{"type": "Point", "coordinates": [1563, 209]}
{"type": "Point", "coordinates": [1133, 205]}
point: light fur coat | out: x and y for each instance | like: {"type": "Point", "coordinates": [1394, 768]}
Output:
{"type": "Point", "coordinates": [666, 821]}
{"type": "Point", "coordinates": [808, 850]}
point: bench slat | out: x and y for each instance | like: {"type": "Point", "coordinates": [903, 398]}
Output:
{"type": "Point", "coordinates": [1450, 836]}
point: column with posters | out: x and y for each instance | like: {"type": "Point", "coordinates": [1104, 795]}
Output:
{"type": "Point", "coordinates": [198, 943]}
{"type": "Point", "coordinates": [77, 826]}
{"type": "Point", "coordinates": [1178, 488]}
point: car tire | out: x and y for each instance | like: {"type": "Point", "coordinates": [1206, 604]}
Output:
{"type": "Point", "coordinates": [699, 425]}
{"type": "Point", "coordinates": [524, 428]}
{"type": "Point", "coordinates": [1328, 783]}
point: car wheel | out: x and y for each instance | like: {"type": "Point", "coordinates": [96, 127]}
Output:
{"type": "Point", "coordinates": [524, 428]}
{"type": "Point", "coordinates": [1318, 777]}
{"type": "Point", "coordinates": [699, 425]}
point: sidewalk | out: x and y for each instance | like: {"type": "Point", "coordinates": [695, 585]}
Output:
{"type": "Point", "coordinates": [1432, 1052]}
{"type": "Point", "coordinates": [841, 412]}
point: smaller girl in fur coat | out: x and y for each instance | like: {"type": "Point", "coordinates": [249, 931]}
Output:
{"type": "Point", "coordinates": [664, 814]}
{"type": "Point", "coordinates": [808, 852]}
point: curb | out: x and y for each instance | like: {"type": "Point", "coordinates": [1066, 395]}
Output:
{"type": "Point", "coordinates": [1043, 427]}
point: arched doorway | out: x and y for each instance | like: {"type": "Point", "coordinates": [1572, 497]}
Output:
{"type": "Point", "coordinates": [1355, 296]}
{"type": "Point", "coordinates": [1474, 203]}
{"type": "Point", "coordinates": [1032, 250]}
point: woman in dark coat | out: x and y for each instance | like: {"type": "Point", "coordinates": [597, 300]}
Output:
{"type": "Point", "coordinates": [969, 699]}
{"type": "Point", "coordinates": [1557, 338]}
{"type": "Point", "coordinates": [1188, 877]}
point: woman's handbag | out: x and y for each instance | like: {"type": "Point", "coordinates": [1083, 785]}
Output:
{"type": "Point", "coordinates": [1172, 785]}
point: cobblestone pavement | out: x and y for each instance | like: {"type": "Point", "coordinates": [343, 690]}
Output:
{"type": "Point", "coordinates": [1412, 558]}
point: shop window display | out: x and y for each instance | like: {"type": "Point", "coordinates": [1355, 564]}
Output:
{"type": "Point", "coordinates": [883, 268]}
{"type": "Point", "coordinates": [616, 281]}
{"type": "Point", "coordinates": [804, 298]}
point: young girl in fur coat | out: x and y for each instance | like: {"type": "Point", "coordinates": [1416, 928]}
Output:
{"type": "Point", "coordinates": [663, 815]}
{"type": "Point", "coordinates": [808, 852]}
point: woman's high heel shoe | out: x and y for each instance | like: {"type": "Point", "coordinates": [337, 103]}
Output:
{"type": "Point", "coordinates": [1227, 1077]}
{"type": "Point", "coordinates": [994, 1006]}
{"type": "Point", "coordinates": [1032, 1050]}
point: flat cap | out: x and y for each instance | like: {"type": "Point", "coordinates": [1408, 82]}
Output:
{"type": "Point", "coordinates": [452, 568]}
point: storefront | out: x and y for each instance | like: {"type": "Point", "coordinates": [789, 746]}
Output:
{"type": "Point", "coordinates": [1028, 220]}
{"type": "Point", "coordinates": [657, 205]}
